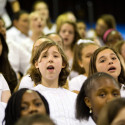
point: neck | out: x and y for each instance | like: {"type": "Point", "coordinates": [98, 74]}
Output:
{"type": "Point", "coordinates": [66, 48]}
{"type": "Point", "coordinates": [35, 35]}
{"type": "Point", "coordinates": [50, 83]}
{"type": "Point", "coordinates": [94, 118]}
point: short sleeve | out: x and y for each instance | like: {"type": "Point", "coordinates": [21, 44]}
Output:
{"type": "Point", "coordinates": [3, 83]}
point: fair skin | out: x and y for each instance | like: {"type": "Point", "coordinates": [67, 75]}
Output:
{"type": "Point", "coordinates": [104, 90]}
{"type": "Point", "coordinates": [81, 27]}
{"type": "Point", "coordinates": [50, 64]}
{"type": "Point", "coordinates": [108, 62]}
{"type": "Point", "coordinates": [56, 38]}
{"type": "Point", "coordinates": [101, 27]}
{"type": "Point", "coordinates": [43, 10]}
{"type": "Point", "coordinates": [86, 55]}
{"type": "Point", "coordinates": [5, 96]}
{"type": "Point", "coordinates": [32, 103]}
{"type": "Point", "coordinates": [23, 23]}
{"type": "Point", "coordinates": [67, 34]}
{"type": "Point", "coordinates": [123, 51]}
{"type": "Point", "coordinates": [120, 118]}
{"type": "Point", "coordinates": [37, 24]}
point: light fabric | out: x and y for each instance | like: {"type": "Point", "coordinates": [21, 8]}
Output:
{"type": "Point", "coordinates": [61, 104]}
{"type": "Point", "coordinates": [15, 35]}
{"type": "Point", "coordinates": [2, 111]}
{"type": "Point", "coordinates": [18, 57]}
{"type": "Point", "coordinates": [3, 12]}
{"type": "Point", "coordinates": [46, 30]}
{"type": "Point", "coordinates": [3, 85]}
{"type": "Point", "coordinates": [88, 122]}
{"type": "Point", "coordinates": [77, 82]}
{"type": "Point", "coordinates": [26, 82]}
{"type": "Point", "coordinates": [122, 90]}
{"type": "Point", "coordinates": [27, 44]}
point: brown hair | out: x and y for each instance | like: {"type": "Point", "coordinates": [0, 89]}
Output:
{"type": "Point", "coordinates": [76, 34]}
{"type": "Point", "coordinates": [92, 66]}
{"type": "Point", "coordinates": [35, 73]}
{"type": "Point", "coordinates": [78, 56]}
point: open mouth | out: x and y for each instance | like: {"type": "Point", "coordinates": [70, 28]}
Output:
{"type": "Point", "coordinates": [39, 25]}
{"type": "Point", "coordinates": [50, 68]}
{"type": "Point", "coordinates": [112, 69]}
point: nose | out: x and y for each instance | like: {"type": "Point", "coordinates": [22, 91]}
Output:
{"type": "Point", "coordinates": [50, 59]}
{"type": "Point", "coordinates": [110, 97]}
{"type": "Point", "coordinates": [110, 62]}
{"type": "Point", "coordinates": [33, 109]}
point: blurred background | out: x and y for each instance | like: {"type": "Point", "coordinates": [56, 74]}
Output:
{"type": "Point", "coordinates": [85, 10]}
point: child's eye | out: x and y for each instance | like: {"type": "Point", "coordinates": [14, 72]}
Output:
{"type": "Point", "coordinates": [24, 107]}
{"type": "Point", "coordinates": [101, 61]}
{"type": "Point", "coordinates": [116, 94]}
{"type": "Point", "coordinates": [44, 56]}
{"type": "Point", "coordinates": [102, 95]}
{"type": "Point", "coordinates": [113, 58]}
{"type": "Point", "coordinates": [38, 104]}
{"type": "Point", "coordinates": [56, 56]}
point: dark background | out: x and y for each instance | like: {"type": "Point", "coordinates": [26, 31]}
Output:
{"type": "Point", "coordinates": [86, 10]}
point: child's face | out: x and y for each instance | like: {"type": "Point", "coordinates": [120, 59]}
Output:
{"type": "Point", "coordinates": [108, 62]}
{"type": "Point", "coordinates": [2, 28]}
{"type": "Point", "coordinates": [81, 27]}
{"type": "Point", "coordinates": [50, 64]}
{"type": "Point", "coordinates": [120, 118]}
{"type": "Point", "coordinates": [67, 33]}
{"type": "Point", "coordinates": [104, 90]}
{"type": "Point", "coordinates": [123, 51]}
{"type": "Point", "coordinates": [86, 55]}
{"type": "Point", "coordinates": [32, 103]}
{"type": "Point", "coordinates": [37, 23]}
{"type": "Point", "coordinates": [101, 27]}
{"type": "Point", "coordinates": [113, 38]}
{"type": "Point", "coordinates": [23, 23]}
{"type": "Point", "coordinates": [56, 38]}
{"type": "Point", "coordinates": [43, 10]}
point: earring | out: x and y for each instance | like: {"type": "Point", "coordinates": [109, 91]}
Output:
{"type": "Point", "coordinates": [90, 111]}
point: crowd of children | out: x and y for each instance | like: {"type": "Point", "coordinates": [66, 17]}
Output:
{"type": "Point", "coordinates": [62, 73]}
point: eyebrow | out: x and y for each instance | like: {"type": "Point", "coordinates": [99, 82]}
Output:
{"type": "Point", "coordinates": [110, 54]}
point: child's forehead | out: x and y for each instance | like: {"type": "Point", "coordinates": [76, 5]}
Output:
{"type": "Point", "coordinates": [103, 82]}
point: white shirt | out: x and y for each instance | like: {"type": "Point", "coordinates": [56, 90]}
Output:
{"type": "Point", "coordinates": [46, 30]}
{"type": "Point", "coordinates": [77, 82]}
{"type": "Point", "coordinates": [3, 12]}
{"type": "Point", "coordinates": [27, 44]}
{"type": "Point", "coordinates": [61, 104]}
{"type": "Point", "coordinates": [3, 85]}
{"type": "Point", "coordinates": [18, 57]}
{"type": "Point", "coordinates": [26, 82]}
{"type": "Point", "coordinates": [2, 111]}
{"type": "Point", "coordinates": [122, 91]}
{"type": "Point", "coordinates": [15, 35]}
{"type": "Point", "coordinates": [88, 122]}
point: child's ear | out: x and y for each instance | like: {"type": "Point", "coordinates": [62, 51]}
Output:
{"type": "Point", "coordinates": [36, 64]}
{"type": "Point", "coordinates": [87, 102]}
{"type": "Point", "coordinates": [63, 65]}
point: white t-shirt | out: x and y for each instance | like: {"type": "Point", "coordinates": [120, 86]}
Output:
{"type": "Point", "coordinates": [77, 82]}
{"type": "Point", "coordinates": [3, 85]}
{"type": "Point", "coordinates": [27, 44]}
{"type": "Point", "coordinates": [26, 82]}
{"type": "Point", "coordinates": [18, 57]}
{"type": "Point", "coordinates": [61, 103]}
{"type": "Point", "coordinates": [88, 122]}
{"type": "Point", "coordinates": [46, 30]}
{"type": "Point", "coordinates": [15, 35]}
{"type": "Point", "coordinates": [122, 91]}
{"type": "Point", "coordinates": [2, 111]}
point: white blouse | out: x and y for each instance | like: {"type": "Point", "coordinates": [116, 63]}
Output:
{"type": "Point", "coordinates": [77, 82]}
{"type": "Point", "coordinates": [61, 104]}
{"type": "Point", "coordinates": [3, 85]}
